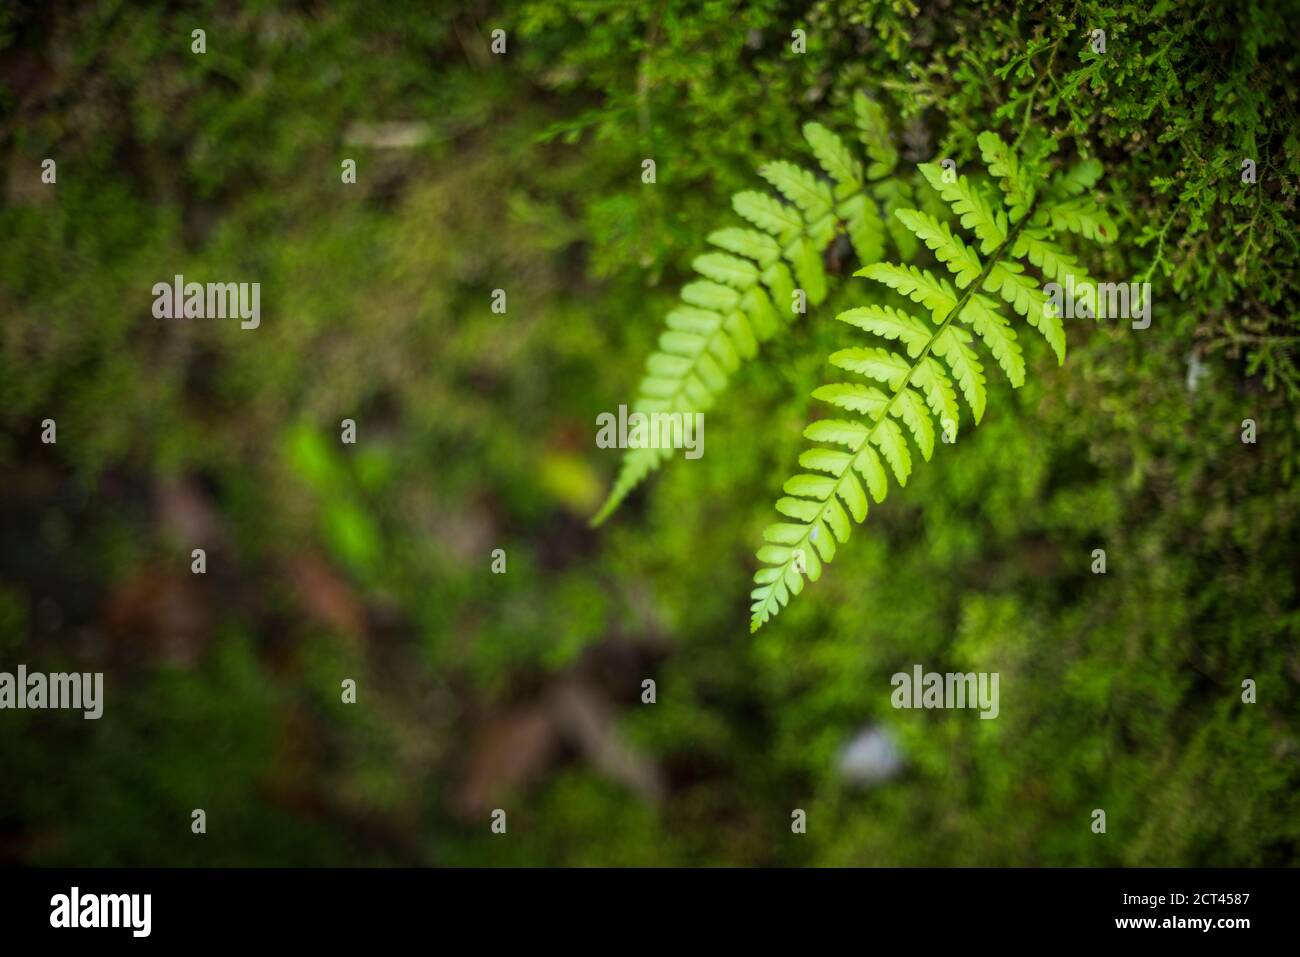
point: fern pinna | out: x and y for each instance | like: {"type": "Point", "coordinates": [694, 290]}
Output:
{"type": "Point", "coordinates": [1020, 226]}
{"type": "Point", "coordinates": [749, 293]}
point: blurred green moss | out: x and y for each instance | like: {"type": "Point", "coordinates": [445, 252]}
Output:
{"type": "Point", "coordinates": [476, 432]}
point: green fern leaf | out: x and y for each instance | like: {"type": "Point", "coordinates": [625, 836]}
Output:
{"type": "Point", "coordinates": [873, 130]}
{"type": "Point", "coordinates": [1083, 216]}
{"type": "Point", "coordinates": [750, 291]}
{"type": "Point", "coordinates": [1023, 293]}
{"type": "Point", "coordinates": [766, 275]}
{"type": "Point", "coordinates": [879, 364]}
{"type": "Point", "coordinates": [806, 257]}
{"type": "Point", "coordinates": [865, 228]}
{"type": "Point", "coordinates": [762, 315]}
{"type": "Point", "coordinates": [983, 316]}
{"type": "Point", "coordinates": [919, 285]}
{"type": "Point", "coordinates": [839, 431]}
{"type": "Point", "coordinates": [1050, 259]}
{"type": "Point", "coordinates": [760, 247]}
{"type": "Point", "coordinates": [972, 209]}
{"type": "Point", "coordinates": [777, 278]}
{"type": "Point", "coordinates": [910, 408]}
{"type": "Point", "coordinates": [952, 345]}
{"type": "Point", "coordinates": [868, 465]}
{"type": "Point", "coordinates": [1016, 182]}
{"type": "Point", "coordinates": [1075, 181]}
{"type": "Point", "coordinates": [813, 486]}
{"type": "Point", "coordinates": [769, 214]}
{"type": "Point", "coordinates": [960, 259]}
{"type": "Point", "coordinates": [800, 187]}
{"type": "Point", "coordinates": [824, 460]}
{"type": "Point", "coordinates": [855, 397]}
{"type": "Point", "coordinates": [835, 158]}
{"type": "Point", "coordinates": [890, 323]}
{"type": "Point", "coordinates": [939, 393]}
{"type": "Point", "coordinates": [852, 495]}
{"type": "Point", "coordinates": [918, 388]}
{"type": "Point", "coordinates": [889, 439]}
{"type": "Point", "coordinates": [732, 271]}
{"type": "Point", "coordinates": [697, 352]}
{"type": "Point", "coordinates": [710, 295]}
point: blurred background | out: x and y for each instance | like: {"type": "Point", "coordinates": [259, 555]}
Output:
{"type": "Point", "coordinates": [476, 431]}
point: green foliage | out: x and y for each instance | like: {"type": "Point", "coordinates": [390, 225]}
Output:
{"type": "Point", "coordinates": [749, 292]}
{"type": "Point", "coordinates": [918, 385]}
{"type": "Point", "coordinates": [1119, 690]}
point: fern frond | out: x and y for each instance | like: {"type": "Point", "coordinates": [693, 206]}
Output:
{"type": "Point", "coordinates": [889, 439]}
{"type": "Point", "coordinates": [911, 409]}
{"type": "Point", "coordinates": [696, 354]}
{"type": "Point", "coordinates": [939, 393]}
{"type": "Point", "coordinates": [710, 295]}
{"type": "Point", "coordinates": [748, 292]}
{"type": "Point", "coordinates": [805, 256]}
{"type": "Point", "coordinates": [853, 396]}
{"type": "Point", "coordinates": [924, 365]}
{"type": "Point", "coordinates": [879, 364]}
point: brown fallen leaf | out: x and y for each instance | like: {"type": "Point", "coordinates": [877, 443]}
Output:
{"type": "Point", "coordinates": [507, 751]}
{"type": "Point", "coordinates": [515, 748]}
{"type": "Point", "coordinates": [586, 719]}
{"type": "Point", "coordinates": [160, 613]}
{"type": "Point", "coordinates": [186, 514]}
{"type": "Point", "coordinates": [326, 596]}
